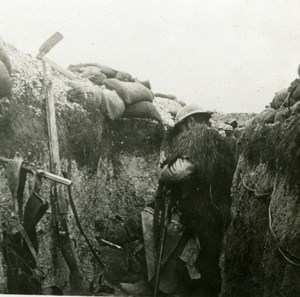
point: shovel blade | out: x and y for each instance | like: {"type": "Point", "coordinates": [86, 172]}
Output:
{"type": "Point", "coordinates": [50, 43]}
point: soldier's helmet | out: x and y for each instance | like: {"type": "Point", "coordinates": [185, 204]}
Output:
{"type": "Point", "coordinates": [189, 110]}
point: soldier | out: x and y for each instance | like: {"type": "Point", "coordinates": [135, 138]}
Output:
{"type": "Point", "coordinates": [230, 137]}
{"type": "Point", "coordinates": [197, 175]}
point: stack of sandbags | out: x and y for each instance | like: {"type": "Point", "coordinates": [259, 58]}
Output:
{"type": "Point", "coordinates": [115, 99]}
{"type": "Point", "coordinates": [89, 96]}
{"type": "Point", "coordinates": [136, 94]}
{"type": "Point", "coordinates": [267, 116]}
{"type": "Point", "coordinates": [171, 97]}
{"type": "Point", "coordinates": [89, 71]}
{"type": "Point", "coordinates": [97, 73]}
{"type": "Point", "coordinates": [270, 115]}
{"type": "Point", "coordinates": [136, 97]}
{"type": "Point", "coordinates": [169, 106]}
{"type": "Point", "coordinates": [285, 102]}
{"type": "Point", "coordinates": [124, 96]}
{"type": "Point", "coordinates": [5, 72]}
{"type": "Point", "coordinates": [279, 99]}
{"type": "Point", "coordinates": [92, 97]}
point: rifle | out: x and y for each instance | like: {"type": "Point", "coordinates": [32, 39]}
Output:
{"type": "Point", "coordinates": [162, 237]}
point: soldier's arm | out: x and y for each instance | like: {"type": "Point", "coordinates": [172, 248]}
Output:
{"type": "Point", "coordinates": [179, 171]}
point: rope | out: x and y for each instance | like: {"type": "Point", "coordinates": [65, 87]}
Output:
{"type": "Point", "coordinates": [256, 195]}
{"type": "Point", "coordinates": [283, 251]}
{"type": "Point", "coordinates": [280, 248]}
{"type": "Point", "coordinates": [211, 198]}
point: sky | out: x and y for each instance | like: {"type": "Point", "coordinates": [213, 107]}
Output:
{"type": "Point", "coordinates": [227, 55]}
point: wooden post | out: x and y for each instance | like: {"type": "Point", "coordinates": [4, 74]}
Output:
{"type": "Point", "coordinates": [60, 234]}
{"type": "Point", "coordinates": [59, 266]}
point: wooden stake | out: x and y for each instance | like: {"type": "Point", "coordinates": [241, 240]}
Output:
{"type": "Point", "coordinates": [60, 234]}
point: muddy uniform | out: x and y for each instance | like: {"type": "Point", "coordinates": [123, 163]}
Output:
{"type": "Point", "coordinates": [199, 178]}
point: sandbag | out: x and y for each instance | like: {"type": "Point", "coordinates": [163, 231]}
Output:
{"type": "Point", "coordinates": [5, 81]}
{"type": "Point", "coordinates": [142, 109]}
{"type": "Point", "coordinates": [80, 68]}
{"type": "Point", "coordinates": [296, 108]}
{"type": "Point", "coordinates": [85, 68]}
{"type": "Point", "coordinates": [109, 72]}
{"type": "Point", "coordinates": [282, 114]}
{"type": "Point", "coordinates": [296, 93]}
{"type": "Point", "coordinates": [94, 74]}
{"type": "Point", "coordinates": [286, 102]}
{"type": "Point", "coordinates": [123, 76]}
{"type": "Point", "coordinates": [89, 96]}
{"type": "Point", "coordinates": [168, 96]}
{"type": "Point", "coordinates": [168, 105]}
{"type": "Point", "coordinates": [115, 106]}
{"type": "Point", "coordinates": [145, 83]}
{"type": "Point", "coordinates": [98, 78]}
{"type": "Point", "coordinates": [180, 102]}
{"type": "Point", "coordinates": [4, 57]}
{"type": "Point", "coordinates": [279, 98]}
{"type": "Point", "coordinates": [90, 71]}
{"type": "Point", "coordinates": [130, 92]}
{"type": "Point", "coordinates": [267, 116]}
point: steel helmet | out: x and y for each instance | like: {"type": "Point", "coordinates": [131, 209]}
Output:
{"type": "Point", "coordinates": [189, 110]}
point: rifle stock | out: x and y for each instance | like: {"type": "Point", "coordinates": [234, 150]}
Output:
{"type": "Point", "coordinates": [162, 237]}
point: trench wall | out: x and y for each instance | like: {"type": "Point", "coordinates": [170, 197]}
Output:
{"type": "Point", "coordinates": [262, 247]}
{"type": "Point", "coordinates": [113, 164]}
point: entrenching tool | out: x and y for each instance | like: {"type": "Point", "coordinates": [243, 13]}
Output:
{"type": "Point", "coordinates": [46, 47]}
{"type": "Point", "coordinates": [59, 205]}
{"type": "Point", "coordinates": [49, 44]}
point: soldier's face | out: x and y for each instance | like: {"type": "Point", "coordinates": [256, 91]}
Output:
{"type": "Point", "coordinates": [196, 119]}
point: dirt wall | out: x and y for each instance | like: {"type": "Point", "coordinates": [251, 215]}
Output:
{"type": "Point", "coordinates": [113, 165]}
{"type": "Point", "coordinates": [262, 250]}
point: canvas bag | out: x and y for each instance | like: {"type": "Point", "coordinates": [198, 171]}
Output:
{"type": "Point", "coordinates": [130, 92]}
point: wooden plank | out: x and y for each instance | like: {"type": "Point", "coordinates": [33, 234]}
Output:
{"type": "Point", "coordinates": [59, 205]}
{"type": "Point", "coordinates": [58, 68]}
{"type": "Point", "coordinates": [53, 143]}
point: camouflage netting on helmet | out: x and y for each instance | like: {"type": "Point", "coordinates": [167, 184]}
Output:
{"type": "Point", "coordinates": [211, 153]}
{"type": "Point", "coordinates": [262, 251]}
